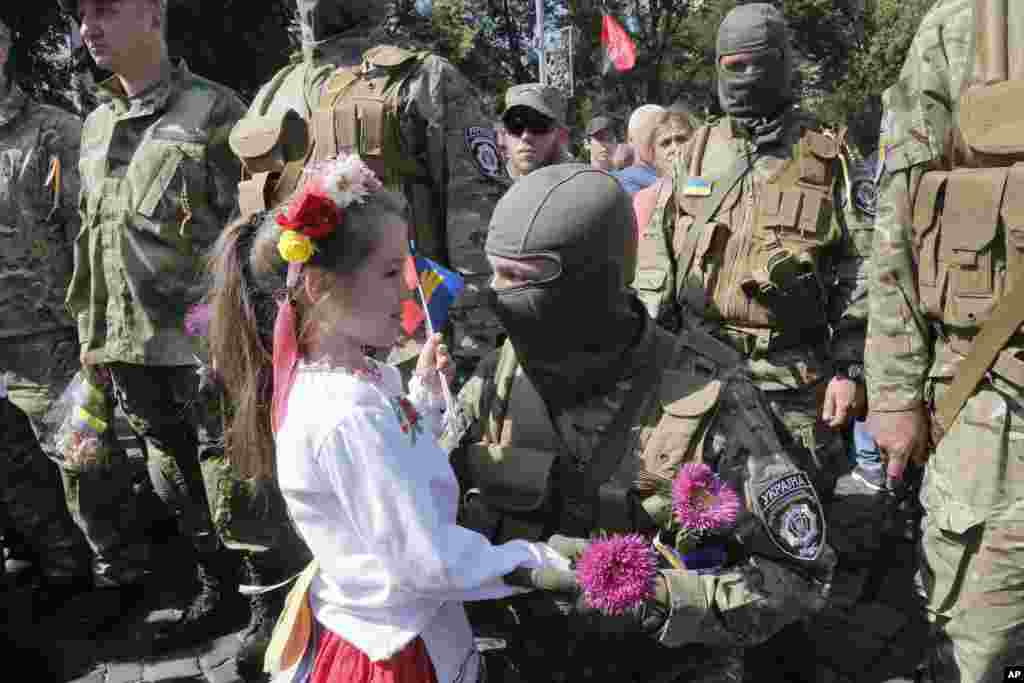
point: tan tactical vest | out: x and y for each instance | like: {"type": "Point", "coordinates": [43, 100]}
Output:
{"type": "Point", "coordinates": [358, 111]}
{"type": "Point", "coordinates": [755, 243]}
{"type": "Point", "coordinates": [969, 221]}
{"type": "Point", "coordinates": [660, 426]}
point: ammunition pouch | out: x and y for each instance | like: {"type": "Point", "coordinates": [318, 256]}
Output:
{"type": "Point", "coordinates": [360, 112]}
{"type": "Point", "coordinates": [273, 150]}
{"type": "Point", "coordinates": [965, 220]}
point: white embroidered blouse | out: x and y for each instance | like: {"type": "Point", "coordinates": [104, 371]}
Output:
{"type": "Point", "coordinates": [375, 498]}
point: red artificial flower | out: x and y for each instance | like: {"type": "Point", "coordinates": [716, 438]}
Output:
{"type": "Point", "coordinates": [311, 213]}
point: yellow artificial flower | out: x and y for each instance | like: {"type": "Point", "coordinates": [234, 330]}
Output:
{"type": "Point", "coordinates": [294, 247]}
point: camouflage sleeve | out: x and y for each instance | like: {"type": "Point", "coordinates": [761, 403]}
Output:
{"type": "Point", "coordinates": [61, 140]}
{"type": "Point", "coordinates": [742, 606]}
{"type": "Point", "coordinates": [848, 310]}
{"type": "Point", "coordinates": [655, 279]}
{"type": "Point", "coordinates": [470, 403]}
{"type": "Point", "coordinates": [224, 169]}
{"type": "Point", "coordinates": [896, 354]}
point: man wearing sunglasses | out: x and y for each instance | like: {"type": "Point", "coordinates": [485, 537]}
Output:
{"type": "Point", "coordinates": [535, 132]}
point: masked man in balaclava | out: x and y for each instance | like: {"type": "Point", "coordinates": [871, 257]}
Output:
{"type": "Point", "coordinates": [568, 429]}
{"type": "Point", "coordinates": [758, 245]}
{"type": "Point", "coordinates": [423, 128]}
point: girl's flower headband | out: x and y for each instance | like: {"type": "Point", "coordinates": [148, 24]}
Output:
{"type": "Point", "coordinates": [314, 213]}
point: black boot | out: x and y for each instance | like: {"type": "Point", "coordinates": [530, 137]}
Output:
{"type": "Point", "coordinates": [212, 611]}
{"type": "Point", "coordinates": [264, 610]}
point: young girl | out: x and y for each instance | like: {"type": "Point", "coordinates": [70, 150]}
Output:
{"type": "Point", "coordinates": [298, 295]}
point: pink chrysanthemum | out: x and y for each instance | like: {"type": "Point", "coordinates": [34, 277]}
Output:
{"type": "Point", "coordinates": [197, 320]}
{"type": "Point", "coordinates": [617, 573]}
{"type": "Point", "coordinates": [701, 501]}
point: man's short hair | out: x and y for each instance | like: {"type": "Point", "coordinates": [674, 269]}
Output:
{"type": "Point", "coordinates": [6, 37]}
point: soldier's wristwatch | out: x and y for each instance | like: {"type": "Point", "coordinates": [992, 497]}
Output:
{"type": "Point", "coordinates": [851, 371]}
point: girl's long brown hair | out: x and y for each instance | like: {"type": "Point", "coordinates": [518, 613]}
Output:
{"type": "Point", "coordinates": [247, 280]}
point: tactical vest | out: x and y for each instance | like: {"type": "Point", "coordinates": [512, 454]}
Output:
{"type": "Point", "coordinates": [359, 110]}
{"type": "Point", "coordinates": [757, 261]}
{"type": "Point", "coordinates": [968, 222]}
{"type": "Point", "coordinates": [521, 469]}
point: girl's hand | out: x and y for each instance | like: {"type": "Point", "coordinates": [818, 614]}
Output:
{"type": "Point", "coordinates": [434, 356]}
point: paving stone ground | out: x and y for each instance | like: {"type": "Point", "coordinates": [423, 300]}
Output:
{"type": "Point", "coordinates": [871, 632]}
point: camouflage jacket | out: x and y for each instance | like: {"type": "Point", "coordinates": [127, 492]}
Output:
{"type": "Point", "coordinates": [711, 294]}
{"type": "Point", "coordinates": [700, 406]}
{"type": "Point", "coordinates": [38, 220]}
{"type": "Point", "coordinates": [917, 123]}
{"type": "Point", "coordinates": [159, 183]}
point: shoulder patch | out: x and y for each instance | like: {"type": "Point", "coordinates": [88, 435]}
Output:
{"type": "Point", "coordinates": [483, 147]}
{"type": "Point", "coordinates": [791, 513]}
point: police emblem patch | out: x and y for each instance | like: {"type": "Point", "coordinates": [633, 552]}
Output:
{"type": "Point", "coordinates": [483, 147]}
{"type": "Point", "coordinates": [791, 513]}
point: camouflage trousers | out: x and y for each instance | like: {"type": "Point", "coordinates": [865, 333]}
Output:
{"type": "Point", "coordinates": [36, 368]}
{"type": "Point", "coordinates": [972, 556]}
{"type": "Point", "coordinates": [250, 515]}
{"type": "Point", "coordinates": [168, 409]}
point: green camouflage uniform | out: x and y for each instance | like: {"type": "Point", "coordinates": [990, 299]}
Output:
{"type": "Point", "coordinates": [38, 347]}
{"type": "Point", "coordinates": [158, 186]}
{"type": "Point", "coordinates": [711, 620]}
{"type": "Point", "coordinates": [973, 493]}
{"type": "Point", "coordinates": [793, 366]}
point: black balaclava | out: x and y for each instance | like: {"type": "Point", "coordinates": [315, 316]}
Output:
{"type": "Point", "coordinates": [323, 19]}
{"type": "Point", "coordinates": [757, 100]}
{"type": "Point", "coordinates": [572, 330]}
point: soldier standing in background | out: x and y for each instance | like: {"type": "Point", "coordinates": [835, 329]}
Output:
{"type": "Point", "coordinates": [158, 185]}
{"type": "Point", "coordinates": [38, 345]}
{"type": "Point", "coordinates": [949, 261]}
{"type": "Point", "coordinates": [423, 128]}
{"type": "Point", "coordinates": [535, 132]}
{"type": "Point", "coordinates": [601, 140]}
{"type": "Point", "coordinates": [749, 244]}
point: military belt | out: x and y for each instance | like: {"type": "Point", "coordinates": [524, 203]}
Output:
{"type": "Point", "coordinates": [758, 342]}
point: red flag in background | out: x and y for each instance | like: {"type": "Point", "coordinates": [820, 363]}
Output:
{"type": "Point", "coordinates": [619, 49]}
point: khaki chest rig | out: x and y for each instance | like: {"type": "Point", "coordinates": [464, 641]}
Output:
{"type": "Point", "coordinates": [968, 219]}
{"type": "Point", "coordinates": [756, 262]}
{"type": "Point", "coordinates": [359, 110]}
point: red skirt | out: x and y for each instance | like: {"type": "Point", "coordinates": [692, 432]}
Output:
{"type": "Point", "coordinates": [338, 661]}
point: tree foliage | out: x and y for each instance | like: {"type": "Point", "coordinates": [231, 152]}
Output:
{"type": "Point", "coordinates": [848, 50]}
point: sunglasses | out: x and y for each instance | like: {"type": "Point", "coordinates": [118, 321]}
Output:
{"type": "Point", "coordinates": [537, 125]}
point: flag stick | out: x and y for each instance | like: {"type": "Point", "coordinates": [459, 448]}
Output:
{"type": "Point", "coordinates": [449, 402]}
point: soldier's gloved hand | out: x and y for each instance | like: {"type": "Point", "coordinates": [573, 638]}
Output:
{"type": "Point", "coordinates": [568, 546]}
{"type": "Point", "coordinates": [545, 578]}
{"type": "Point", "coordinates": [557, 575]}
{"type": "Point", "coordinates": [647, 618]}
